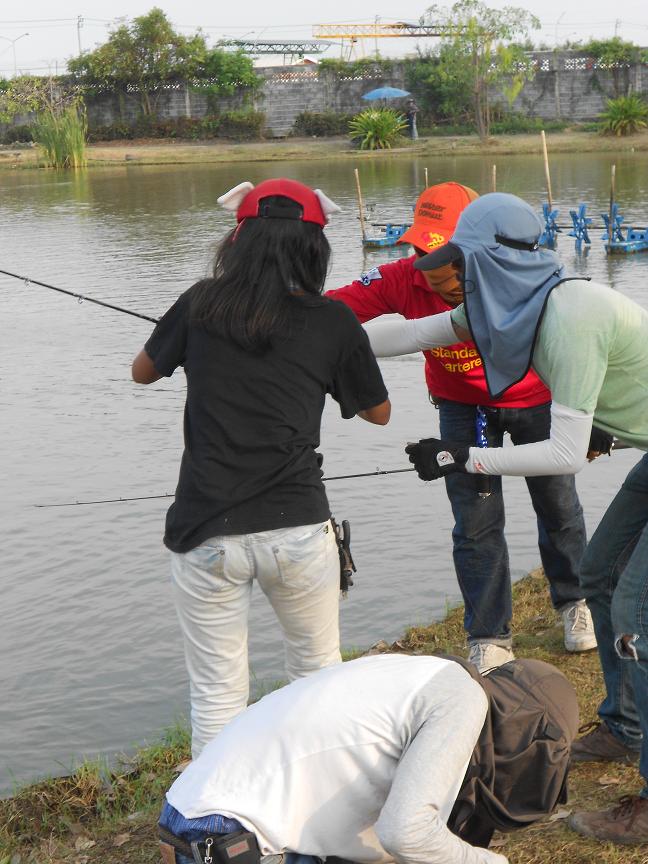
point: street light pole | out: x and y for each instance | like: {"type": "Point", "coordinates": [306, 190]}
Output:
{"type": "Point", "coordinates": [560, 17]}
{"type": "Point", "coordinates": [13, 46]}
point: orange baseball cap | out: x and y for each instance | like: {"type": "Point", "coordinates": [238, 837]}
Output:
{"type": "Point", "coordinates": [436, 214]}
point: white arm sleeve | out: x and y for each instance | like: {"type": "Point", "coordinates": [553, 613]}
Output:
{"type": "Point", "coordinates": [390, 338]}
{"type": "Point", "coordinates": [412, 824]}
{"type": "Point", "coordinates": [564, 452]}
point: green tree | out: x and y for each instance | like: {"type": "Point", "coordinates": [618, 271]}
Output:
{"type": "Point", "coordinates": [230, 70]}
{"type": "Point", "coordinates": [225, 73]}
{"type": "Point", "coordinates": [29, 94]}
{"type": "Point", "coordinates": [444, 86]}
{"type": "Point", "coordinates": [479, 53]}
{"type": "Point", "coordinates": [144, 53]}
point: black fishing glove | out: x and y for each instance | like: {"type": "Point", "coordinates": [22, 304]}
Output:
{"type": "Point", "coordinates": [433, 458]}
{"type": "Point", "coordinates": [600, 442]}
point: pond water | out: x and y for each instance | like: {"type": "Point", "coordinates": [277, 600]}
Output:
{"type": "Point", "coordinates": [90, 654]}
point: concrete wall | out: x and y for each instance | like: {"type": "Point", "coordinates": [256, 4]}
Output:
{"type": "Point", "coordinates": [573, 86]}
{"type": "Point", "coordinates": [172, 101]}
{"type": "Point", "coordinates": [567, 85]}
{"type": "Point", "coordinates": [286, 92]}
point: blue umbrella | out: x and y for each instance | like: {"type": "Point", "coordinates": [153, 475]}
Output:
{"type": "Point", "coordinates": [385, 93]}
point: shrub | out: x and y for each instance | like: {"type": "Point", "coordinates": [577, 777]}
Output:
{"type": "Point", "coordinates": [242, 125]}
{"type": "Point", "coordinates": [18, 133]}
{"type": "Point", "coordinates": [377, 128]}
{"type": "Point", "coordinates": [148, 127]}
{"type": "Point", "coordinates": [321, 124]}
{"type": "Point", "coordinates": [625, 115]}
{"type": "Point", "coordinates": [517, 124]}
{"type": "Point", "coordinates": [450, 129]}
{"type": "Point", "coordinates": [239, 125]}
{"type": "Point", "coordinates": [111, 132]}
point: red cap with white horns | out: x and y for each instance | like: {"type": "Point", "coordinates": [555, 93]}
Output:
{"type": "Point", "coordinates": [245, 200]}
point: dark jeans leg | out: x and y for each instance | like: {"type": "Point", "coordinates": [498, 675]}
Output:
{"type": "Point", "coordinates": [479, 548]}
{"type": "Point", "coordinates": [614, 576]}
{"type": "Point", "coordinates": [561, 527]}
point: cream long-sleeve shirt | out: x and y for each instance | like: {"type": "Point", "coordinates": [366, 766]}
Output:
{"type": "Point", "coordinates": [362, 760]}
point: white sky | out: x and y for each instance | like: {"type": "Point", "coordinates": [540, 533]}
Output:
{"type": "Point", "coordinates": [52, 27]}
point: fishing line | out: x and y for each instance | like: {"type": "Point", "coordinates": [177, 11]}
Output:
{"type": "Point", "coordinates": [171, 494]}
{"type": "Point", "coordinates": [80, 297]}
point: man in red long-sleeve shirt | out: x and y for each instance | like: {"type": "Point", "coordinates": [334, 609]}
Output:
{"type": "Point", "coordinates": [457, 387]}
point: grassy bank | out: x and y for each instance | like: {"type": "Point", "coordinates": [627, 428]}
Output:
{"type": "Point", "coordinates": [174, 152]}
{"type": "Point", "coordinates": [95, 816]}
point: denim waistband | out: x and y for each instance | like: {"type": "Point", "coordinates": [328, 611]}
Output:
{"type": "Point", "coordinates": [177, 824]}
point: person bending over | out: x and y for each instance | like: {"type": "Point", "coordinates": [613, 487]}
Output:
{"type": "Point", "coordinates": [457, 387]}
{"type": "Point", "coordinates": [261, 349]}
{"type": "Point", "coordinates": [386, 758]}
{"type": "Point", "coordinates": [589, 344]}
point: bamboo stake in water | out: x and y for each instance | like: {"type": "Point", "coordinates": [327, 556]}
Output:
{"type": "Point", "coordinates": [494, 178]}
{"type": "Point", "coordinates": [360, 205]}
{"type": "Point", "coordinates": [546, 168]}
{"type": "Point", "coordinates": [612, 197]}
{"type": "Point", "coordinates": [427, 182]}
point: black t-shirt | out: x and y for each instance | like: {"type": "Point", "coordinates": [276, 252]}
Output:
{"type": "Point", "coordinates": [252, 420]}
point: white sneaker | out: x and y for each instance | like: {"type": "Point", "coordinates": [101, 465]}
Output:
{"type": "Point", "coordinates": [487, 656]}
{"type": "Point", "coordinates": [579, 627]}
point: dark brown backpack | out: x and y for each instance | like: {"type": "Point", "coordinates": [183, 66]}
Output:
{"type": "Point", "coordinates": [518, 771]}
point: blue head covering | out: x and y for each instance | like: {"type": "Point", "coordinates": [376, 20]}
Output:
{"type": "Point", "coordinates": [507, 280]}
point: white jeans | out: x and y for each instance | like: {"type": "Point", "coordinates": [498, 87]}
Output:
{"type": "Point", "coordinates": [298, 570]}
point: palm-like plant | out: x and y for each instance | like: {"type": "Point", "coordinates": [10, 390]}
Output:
{"type": "Point", "coordinates": [377, 128]}
{"type": "Point", "coordinates": [625, 115]}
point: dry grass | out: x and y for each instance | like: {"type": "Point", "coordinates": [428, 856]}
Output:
{"type": "Point", "coordinates": [96, 817]}
{"type": "Point", "coordinates": [173, 152]}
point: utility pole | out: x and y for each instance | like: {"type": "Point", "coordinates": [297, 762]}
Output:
{"type": "Point", "coordinates": [79, 26]}
{"type": "Point", "coordinates": [617, 24]}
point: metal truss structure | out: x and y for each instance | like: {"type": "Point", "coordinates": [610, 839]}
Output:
{"type": "Point", "coordinates": [277, 46]}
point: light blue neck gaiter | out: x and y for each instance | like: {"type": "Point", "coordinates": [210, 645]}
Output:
{"type": "Point", "coordinates": [505, 288]}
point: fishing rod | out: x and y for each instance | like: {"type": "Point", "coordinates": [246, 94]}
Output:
{"type": "Point", "coordinates": [80, 297]}
{"type": "Point", "coordinates": [616, 445]}
{"type": "Point", "coordinates": [171, 494]}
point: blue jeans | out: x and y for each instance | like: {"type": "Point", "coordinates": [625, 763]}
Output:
{"type": "Point", "coordinates": [197, 829]}
{"type": "Point", "coordinates": [479, 547]}
{"type": "Point", "coordinates": [614, 576]}
{"type": "Point", "coordinates": [194, 829]}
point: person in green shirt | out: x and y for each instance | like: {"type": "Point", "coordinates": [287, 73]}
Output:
{"type": "Point", "coordinates": [589, 345]}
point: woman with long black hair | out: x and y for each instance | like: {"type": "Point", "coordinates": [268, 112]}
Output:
{"type": "Point", "coordinates": [261, 348]}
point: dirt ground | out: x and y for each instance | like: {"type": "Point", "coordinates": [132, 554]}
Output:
{"type": "Point", "coordinates": [156, 152]}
